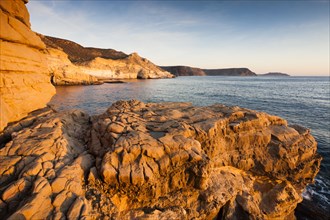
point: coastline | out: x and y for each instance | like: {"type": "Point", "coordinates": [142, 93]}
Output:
{"type": "Point", "coordinates": [141, 160]}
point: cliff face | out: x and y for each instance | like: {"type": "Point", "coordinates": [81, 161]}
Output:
{"type": "Point", "coordinates": [184, 70]}
{"type": "Point", "coordinates": [192, 71]}
{"type": "Point", "coordinates": [63, 72]}
{"type": "Point", "coordinates": [156, 161]}
{"type": "Point", "coordinates": [24, 79]}
{"type": "Point", "coordinates": [132, 67]}
{"type": "Point", "coordinates": [229, 72]}
{"type": "Point", "coordinates": [99, 63]}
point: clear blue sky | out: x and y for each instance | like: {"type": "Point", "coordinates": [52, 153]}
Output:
{"type": "Point", "coordinates": [265, 36]}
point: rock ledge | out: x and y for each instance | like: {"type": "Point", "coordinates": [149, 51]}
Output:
{"type": "Point", "coordinates": [155, 161]}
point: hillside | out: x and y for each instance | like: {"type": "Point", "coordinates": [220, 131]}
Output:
{"type": "Point", "coordinates": [70, 63]}
{"type": "Point", "coordinates": [184, 70]}
{"type": "Point", "coordinates": [78, 53]}
{"type": "Point", "coordinates": [229, 72]}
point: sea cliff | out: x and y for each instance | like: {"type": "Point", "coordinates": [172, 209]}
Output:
{"type": "Point", "coordinates": [71, 63]}
{"type": "Point", "coordinates": [24, 78]}
{"type": "Point", "coordinates": [155, 161]}
{"type": "Point", "coordinates": [193, 71]}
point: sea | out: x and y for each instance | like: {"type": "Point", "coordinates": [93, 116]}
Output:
{"type": "Point", "coordinates": [299, 100]}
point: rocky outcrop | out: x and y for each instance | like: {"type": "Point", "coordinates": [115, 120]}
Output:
{"type": "Point", "coordinates": [63, 72]}
{"type": "Point", "coordinates": [102, 63]}
{"type": "Point", "coordinates": [24, 79]}
{"type": "Point", "coordinates": [42, 168]}
{"type": "Point", "coordinates": [155, 161]}
{"type": "Point", "coordinates": [132, 67]}
{"type": "Point", "coordinates": [184, 70]}
{"type": "Point", "coordinates": [229, 72]}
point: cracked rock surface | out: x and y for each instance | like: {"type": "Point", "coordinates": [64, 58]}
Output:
{"type": "Point", "coordinates": [155, 161]}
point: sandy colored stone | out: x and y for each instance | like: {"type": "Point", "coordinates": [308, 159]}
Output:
{"type": "Point", "coordinates": [214, 157]}
{"type": "Point", "coordinates": [50, 170]}
{"type": "Point", "coordinates": [63, 72]}
{"type": "Point", "coordinates": [24, 81]}
{"type": "Point", "coordinates": [200, 163]}
{"type": "Point", "coordinates": [16, 9]}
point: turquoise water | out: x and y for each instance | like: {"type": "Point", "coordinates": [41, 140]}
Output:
{"type": "Point", "coordinates": [300, 100]}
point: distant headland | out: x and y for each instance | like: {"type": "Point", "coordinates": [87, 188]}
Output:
{"type": "Point", "coordinates": [193, 71]}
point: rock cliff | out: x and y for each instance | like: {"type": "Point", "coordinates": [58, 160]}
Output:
{"type": "Point", "coordinates": [192, 71]}
{"type": "Point", "coordinates": [229, 72]}
{"type": "Point", "coordinates": [99, 63]}
{"type": "Point", "coordinates": [24, 79]}
{"type": "Point", "coordinates": [155, 161]}
{"type": "Point", "coordinates": [63, 72]}
{"type": "Point", "coordinates": [131, 67]}
{"type": "Point", "coordinates": [184, 70]}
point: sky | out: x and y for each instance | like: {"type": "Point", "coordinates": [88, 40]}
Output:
{"type": "Point", "coordinates": [262, 35]}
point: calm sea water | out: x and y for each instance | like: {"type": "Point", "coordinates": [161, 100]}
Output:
{"type": "Point", "coordinates": [300, 100]}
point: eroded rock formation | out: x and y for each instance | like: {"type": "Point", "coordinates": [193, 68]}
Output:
{"type": "Point", "coordinates": [99, 63]}
{"type": "Point", "coordinates": [24, 79]}
{"type": "Point", "coordinates": [63, 72]}
{"type": "Point", "coordinates": [155, 161]}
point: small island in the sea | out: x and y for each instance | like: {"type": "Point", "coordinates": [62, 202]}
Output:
{"type": "Point", "coordinates": [274, 74]}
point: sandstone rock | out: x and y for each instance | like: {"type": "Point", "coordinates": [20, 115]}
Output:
{"type": "Point", "coordinates": [71, 63]}
{"type": "Point", "coordinates": [209, 162]}
{"type": "Point", "coordinates": [63, 72]}
{"type": "Point", "coordinates": [202, 162]}
{"type": "Point", "coordinates": [46, 165]}
{"type": "Point", "coordinates": [132, 67]}
{"type": "Point", "coordinates": [24, 80]}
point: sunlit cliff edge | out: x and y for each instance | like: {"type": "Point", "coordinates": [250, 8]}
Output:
{"type": "Point", "coordinates": [69, 62]}
{"type": "Point", "coordinates": [24, 76]}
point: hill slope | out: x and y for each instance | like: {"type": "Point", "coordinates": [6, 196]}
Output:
{"type": "Point", "coordinates": [229, 72]}
{"type": "Point", "coordinates": [78, 53]}
{"type": "Point", "coordinates": [193, 71]}
{"type": "Point", "coordinates": [70, 63]}
{"type": "Point", "coordinates": [184, 70]}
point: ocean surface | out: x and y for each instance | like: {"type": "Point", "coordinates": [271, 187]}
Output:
{"type": "Point", "coordinates": [299, 100]}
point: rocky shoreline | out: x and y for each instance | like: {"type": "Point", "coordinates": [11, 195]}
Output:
{"type": "Point", "coordinates": [155, 160]}
{"type": "Point", "coordinates": [137, 160]}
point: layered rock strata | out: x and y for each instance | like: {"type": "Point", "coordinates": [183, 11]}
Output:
{"type": "Point", "coordinates": [131, 67]}
{"type": "Point", "coordinates": [63, 72]}
{"type": "Point", "coordinates": [156, 161]}
{"type": "Point", "coordinates": [99, 63]}
{"type": "Point", "coordinates": [24, 79]}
